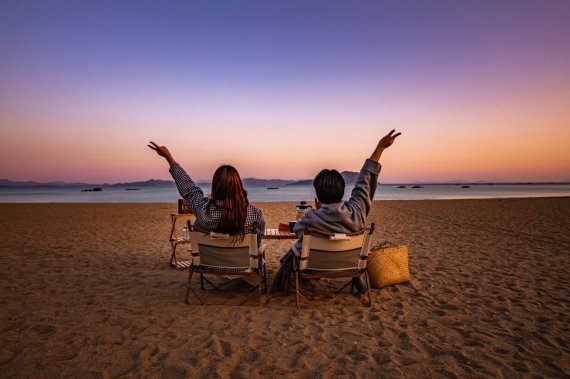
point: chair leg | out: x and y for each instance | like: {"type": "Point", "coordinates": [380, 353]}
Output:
{"type": "Point", "coordinates": [297, 288]}
{"type": "Point", "coordinates": [191, 271]}
{"type": "Point", "coordinates": [260, 278]}
{"type": "Point", "coordinates": [202, 281]}
{"type": "Point", "coordinates": [343, 287]}
{"type": "Point", "coordinates": [368, 289]}
{"type": "Point", "coordinates": [173, 256]}
{"type": "Point", "coordinates": [265, 277]}
{"type": "Point", "coordinates": [210, 283]}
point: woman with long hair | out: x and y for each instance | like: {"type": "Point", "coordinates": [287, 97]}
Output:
{"type": "Point", "coordinates": [227, 209]}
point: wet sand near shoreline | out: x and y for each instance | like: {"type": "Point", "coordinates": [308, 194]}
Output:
{"type": "Point", "coordinates": [86, 291]}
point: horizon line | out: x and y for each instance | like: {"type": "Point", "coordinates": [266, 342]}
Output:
{"type": "Point", "coordinates": [208, 181]}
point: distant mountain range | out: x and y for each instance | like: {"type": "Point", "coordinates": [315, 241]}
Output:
{"type": "Point", "coordinates": [148, 183]}
{"type": "Point", "coordinates": [350, 178]}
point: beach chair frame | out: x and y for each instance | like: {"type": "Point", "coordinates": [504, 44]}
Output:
{"type": "Point", "coordinates": [222, 254]}
{"type": "Point", "coordinates": [326, 255]}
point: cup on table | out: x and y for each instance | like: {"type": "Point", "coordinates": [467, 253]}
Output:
{"type": "Point", "coordinates": [183, 206]}
{"type": "Point", "coordinates": [291, 226]}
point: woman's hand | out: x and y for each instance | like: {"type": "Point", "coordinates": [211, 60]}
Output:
{"type": "Point", "coordinates": [162, 151]}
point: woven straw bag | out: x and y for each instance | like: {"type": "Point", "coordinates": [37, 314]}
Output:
{"type": "Point", "coordinates": [388, 265]}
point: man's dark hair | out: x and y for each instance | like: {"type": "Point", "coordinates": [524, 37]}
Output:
{"type": "Point", "coordinates": [329, 185]}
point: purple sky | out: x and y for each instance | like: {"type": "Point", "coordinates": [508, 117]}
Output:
{"type": "Point", "coordinates": [479, 89]}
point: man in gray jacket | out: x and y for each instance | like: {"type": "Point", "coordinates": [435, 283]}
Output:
{"type": "Point", "coordinates": [334, 215]}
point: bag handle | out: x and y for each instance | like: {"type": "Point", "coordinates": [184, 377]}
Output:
{"type": "Point", "coordinates": [383, 244]}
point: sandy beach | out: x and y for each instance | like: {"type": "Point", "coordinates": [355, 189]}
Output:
{"type": "Point", "coordinates": [86, 291]}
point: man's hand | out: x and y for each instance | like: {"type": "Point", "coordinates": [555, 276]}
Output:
{"type": "Point", "coordinates": [162, 151]}
{"type": "Point", "coordinates": [388, 139]}
{"type": "Point", "coordinates": [384, 143]}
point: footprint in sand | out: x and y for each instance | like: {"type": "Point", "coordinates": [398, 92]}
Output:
{"type": "Point", "coordinates": [6, 356]}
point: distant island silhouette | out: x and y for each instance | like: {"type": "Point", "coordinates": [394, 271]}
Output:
{"type": "Point", "coordinates": [349, 177]}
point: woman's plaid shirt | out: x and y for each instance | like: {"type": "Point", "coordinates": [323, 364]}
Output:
{"type": "Point", "coordinates": [208, 215]}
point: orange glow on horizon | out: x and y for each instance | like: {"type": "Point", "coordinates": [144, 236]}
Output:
{"type": "Point", "coordinates": [483, 96]}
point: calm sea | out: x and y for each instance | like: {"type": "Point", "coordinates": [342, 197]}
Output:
{"type": "Point", "coordinates": [289, 193]}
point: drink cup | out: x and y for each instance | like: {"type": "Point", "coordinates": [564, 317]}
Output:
{"type": "Point", "coordinates": [292, 226]}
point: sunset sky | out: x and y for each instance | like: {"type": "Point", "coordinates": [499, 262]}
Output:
{"type": "Point", "coordinates": [281, 89]}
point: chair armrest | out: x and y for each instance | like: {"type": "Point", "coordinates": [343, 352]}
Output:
{"type": "Point", "coordinates": [339, 237]}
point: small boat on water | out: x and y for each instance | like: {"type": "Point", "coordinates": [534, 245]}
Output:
{"type": "Point", "coordinates": [96, 189]}
{"type": "Point", "coordinates": [272, 188]}
{"type": "Point", "coordinates": [417, 187]}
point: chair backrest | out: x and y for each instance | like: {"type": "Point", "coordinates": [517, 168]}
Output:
{"type": "Point", "coordinates": [323, 251]}
{"type": "Point", "coordinates": [222, 251]}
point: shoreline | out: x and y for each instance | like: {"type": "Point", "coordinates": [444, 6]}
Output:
{"type": "Point", "coordinates": [86, 291]}
{"type": "Point", "coordinates": [258, 195]}
{"type": "Point", "coordinates": [295, 202]}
